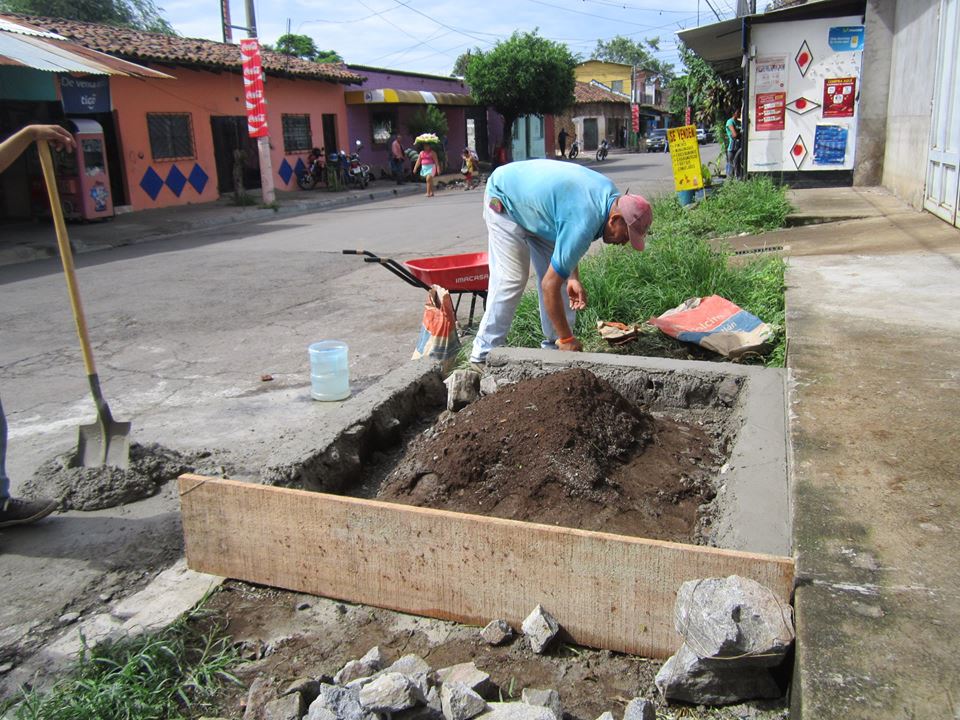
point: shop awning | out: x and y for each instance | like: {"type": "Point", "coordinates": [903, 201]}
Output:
{"type": "Point", "coordinates": [25, 46]}
{"type": "Point", "coordinates": [407, 97]}
{"type": "Point", "coordinates": [720, 44]}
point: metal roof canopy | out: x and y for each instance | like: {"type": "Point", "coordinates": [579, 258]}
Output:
{"type": "Point", "coordinates": [721, 44]}
{"type": "Point", "coordinates": [25, 46]}
{"type": "Point", "coordinates": [389, 96]}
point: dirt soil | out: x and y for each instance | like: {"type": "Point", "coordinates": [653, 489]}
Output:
{"type": "Point", "coordinates": [286, 636]}
{"type": "Point", "coordinates": [565, 449]}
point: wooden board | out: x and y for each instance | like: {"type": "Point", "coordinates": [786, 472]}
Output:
{"type": "Point", "coordinates": [607, 591]}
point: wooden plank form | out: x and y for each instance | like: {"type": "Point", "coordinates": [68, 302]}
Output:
{"type": "Point", "coordinates": [607, 591]}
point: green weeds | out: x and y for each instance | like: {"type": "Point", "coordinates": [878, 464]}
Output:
{"type": "Point", "coordinates": [170, 674]}
{"type": "Point", "coordinates": [630, 287]}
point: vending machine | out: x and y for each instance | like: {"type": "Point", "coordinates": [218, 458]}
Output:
{"type": "Point", "coordinates": [83, 176]}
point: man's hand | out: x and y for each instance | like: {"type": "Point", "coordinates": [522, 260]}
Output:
{"type": "Point", "coordinates": [572, 345]}
{"type": "Point", "coordinates": [577, 293]}
{"type": "Point", "coordinates": [54, 134]}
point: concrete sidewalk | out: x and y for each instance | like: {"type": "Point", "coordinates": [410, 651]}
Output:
{"type": "Point", "coordinates": [28, 241]}
{"type": "Point", "coordinates": [873, 334]}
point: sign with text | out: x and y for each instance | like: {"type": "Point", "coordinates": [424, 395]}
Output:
{"type": "Point", "coordinates": [771, 111]}
{"type": "Point", "coordinates": [85, 95]}
{"type": "Point", "coordinates": [685, 155]}
{"type": "Point", "coordinates": [253, 88]}
{"type": "Point", "coordinates": [839, 96]}
{"type": "Point", "coordinates": [847, 38]}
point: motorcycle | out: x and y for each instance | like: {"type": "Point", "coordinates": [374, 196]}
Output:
{"type": "Point", "coordinates": [574, 150]}
{"type": "Point", "coordinates": [358, 169]}
{"type": "Point", "coordinates": [603, 150]}
{"type": "Point", "coordinates": [313, 173]}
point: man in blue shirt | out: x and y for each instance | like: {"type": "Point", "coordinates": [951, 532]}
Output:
{"type": "Point", "coordinates": [549, 212]}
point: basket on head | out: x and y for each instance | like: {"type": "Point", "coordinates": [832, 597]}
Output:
{"type": "Point", "coordinates": [426, 140]}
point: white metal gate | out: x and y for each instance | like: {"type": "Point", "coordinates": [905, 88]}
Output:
{"type": "Point", "coordinates": [943, 168]}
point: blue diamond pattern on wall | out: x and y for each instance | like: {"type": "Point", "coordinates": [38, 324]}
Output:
{"type": "Point", "coordinates": [198, 179]}
{"type": "Point", "coordinates": [299, 167]}
{"type": "Point", "coordinates": [285, 172]}
{"type": "Point", "coordinates": [151, 183]}
{"type": "Point", "coordinates": [176, 180]}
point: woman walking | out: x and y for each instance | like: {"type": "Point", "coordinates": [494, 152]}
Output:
{"type": "Point", "coordinates": [428, 164]}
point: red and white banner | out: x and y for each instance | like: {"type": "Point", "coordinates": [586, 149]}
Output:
{"type": "Point", "coordinates": [635, 117]}
{"type": "Point", "coordinates": [253, 88]}
{"type": "Point", "coordinates": [686, 116]}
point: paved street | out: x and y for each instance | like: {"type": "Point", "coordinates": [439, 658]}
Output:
{"type": "Point", "coordinates": [183, 329]}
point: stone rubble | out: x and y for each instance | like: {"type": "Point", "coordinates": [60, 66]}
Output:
{"type": "Point", "coordinates": [287, 707]}
{"type": "Point", "coordinates": [541, 628]}
{"type": "Point", "coordinates": [466, 674]}
{"type": "Point", "coordinates": [343, 702]}
{"type": "Point", "coordinates": [463, 387]}
{"type": "Point", "coordinates": [549, 699]}
{"type": "Point", "coordinates": [390, 693]}
{"type": "Point", "coordinates": [516, 711]}
{"type": "Point", "coordinates": [640, 709]}
{"type": "Point", "coordinates": [497, 632]}
{"type": "Point", "coordinates": [606, 716]}
{"type": "Point", "coordinates": [459, 702]}
{"type": "Point", "coordinates": [734, 630]}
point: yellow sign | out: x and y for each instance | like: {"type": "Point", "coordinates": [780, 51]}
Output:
{"type": "Point", "coordinates": [685, 154]}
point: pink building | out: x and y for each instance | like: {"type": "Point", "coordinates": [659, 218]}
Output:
{"type": "Point", "coordinates": [172, 142]}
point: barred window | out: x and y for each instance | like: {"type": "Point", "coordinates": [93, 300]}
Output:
{"type": "Point", "coordinates": [296, 133]}
{"type": "Point", "coordinates": [171, 136]}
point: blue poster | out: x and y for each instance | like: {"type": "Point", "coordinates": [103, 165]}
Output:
{"type": "Point", "coordinates": [846, 38]}
{"type": "Point", "coordinates": [85, 95]}
{"type": "Point", "coordinates": [830, 145]}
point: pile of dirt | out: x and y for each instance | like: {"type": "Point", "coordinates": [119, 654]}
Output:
{"type": "Point", "coordinates": [565, 449]}
{"type": "Point", "coordinates": [85, 488]}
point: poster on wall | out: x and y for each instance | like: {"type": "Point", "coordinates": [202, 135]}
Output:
{"type": "Point", "coordinates": [771, 74]}
{"type": "Point", "coordinates": [85, 95]}
{"type": "Point", "coordinates": [839, 97]}
{"type": "Point", "coordinates": [771, 109]}
{"type": "Point", "coordinates": [830, 145]}
{"type": "Point", "coordinates": [846, 38]}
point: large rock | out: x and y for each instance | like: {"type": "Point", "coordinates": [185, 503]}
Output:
{"type": "Point", "coordinates": [343, 702]}
{"type": "Point", "coordinates": [307, 687]}
{"type": "Point", "coordinates": [463, 387]}
{"type": "Point", "coordinates": [516, 711]}
{"type": "Point", "coordinates": [640, 709]}
{"type": "Point", "coordinates": [496, 632]}
{"type": "Point", "coordinates": [734, 617]}
{"type": "Point", "coordinates": [606, 716]}
{"type": "Point", "coordinates": [466, 674]}
{"type": "Point", "coordinates": [390, 693]}
{"type": "Point", "coordinates": [410, 665]}
{"type": "Point", "coordinates": [459, 702]}
{"type": "Point", "coordinates": [549, 699]}
{"type": "Point", "coordinates": [288, 707]}
{"type": "Point", "coordinates": [541, 628]}
{"type": "Point", "coordinates": [368, 665]}
{"type": "Point", "coordinates": [701, 681]}
{"type": "Point", "coordinates": [259, 694]}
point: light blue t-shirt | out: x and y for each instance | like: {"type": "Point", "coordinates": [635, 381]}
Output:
{"type": "Point", "coordinates": [563, 203]}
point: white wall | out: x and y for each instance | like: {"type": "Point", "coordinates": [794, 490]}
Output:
{"type": "Point", "coordinates": [771, 150]}
{"type": "Point", "coordinates": [911, 97]}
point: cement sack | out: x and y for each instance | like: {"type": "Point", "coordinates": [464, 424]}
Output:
{"type": "Point", "coordinates": [438, 333]}
{"type": "Point", "coordinates": [717, 324]}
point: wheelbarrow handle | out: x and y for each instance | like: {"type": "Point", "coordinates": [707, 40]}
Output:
{"type": "Point", "coordinates": [359, 252]}
{"type": "Point", "coordinates": [399, 270]}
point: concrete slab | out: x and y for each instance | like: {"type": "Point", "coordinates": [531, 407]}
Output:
{"type": "Point", "coordinates": [875, 387]}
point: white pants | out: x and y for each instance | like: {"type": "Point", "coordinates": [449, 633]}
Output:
{"type": "Point", "coordinates": [510, 249]}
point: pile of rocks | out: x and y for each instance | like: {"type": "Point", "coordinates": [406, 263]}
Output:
{"type": "Point", "coordinates": [409, 689]}
{"type": "Point", "coordinates": [735, 632]}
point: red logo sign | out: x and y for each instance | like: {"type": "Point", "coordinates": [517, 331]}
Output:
{"type": "Point", "coordinates": [839, 97]}
{"type": "Point", "coordinates": [635, 117]}
{"type": "Point", "coordinates": [253, 88]}
{"type": "Point", "coordinates": [686, 116]}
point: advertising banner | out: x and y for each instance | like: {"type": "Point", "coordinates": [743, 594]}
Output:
{"type": "Point", "coordinates": [848, 38]}
{"type": "Point", "coordinates": [771, 74]}
{"type": "Point", "coordinates": [635, 117]}
{"type": "Point", "coordinates": [85, 95]}
{"type": "Point", "coordinates": [839, 97]}
{"type": "Point", "coordinates": [771, 110]}
{"type": "Point", "coordinates": [685, 155]}
{"type": "Point", "coordinates": [253, 88]}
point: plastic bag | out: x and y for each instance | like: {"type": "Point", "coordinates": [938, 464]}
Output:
{"type": "Point", "coordinates": [717, 324]}
{"type": "Point", "coordinates": [438, 332]}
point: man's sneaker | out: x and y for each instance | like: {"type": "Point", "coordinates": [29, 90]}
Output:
{"type": "Point", "coordinates": [480, 367]}
{"type": "Point", "coordinates": [14, 511]}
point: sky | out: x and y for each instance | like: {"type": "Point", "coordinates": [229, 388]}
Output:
{"type": "Point", "coordinates": [427, 35]}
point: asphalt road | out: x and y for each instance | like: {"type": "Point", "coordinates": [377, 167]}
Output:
{"type": "Point", "coordinates": [183, 329]}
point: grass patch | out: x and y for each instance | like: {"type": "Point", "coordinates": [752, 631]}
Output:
{"type": "Point", "coordinates": [679, 263]}
{"type": "Point", "coordinates": [171, 674]}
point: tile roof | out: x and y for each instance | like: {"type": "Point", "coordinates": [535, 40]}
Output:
{"type": "Point", "coordinates": [189, 52]}
{"type": "Point", "coordinates": [586, 93]}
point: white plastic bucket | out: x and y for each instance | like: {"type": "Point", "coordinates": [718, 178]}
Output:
{"type": "Point", "coordinates": [329, 370]}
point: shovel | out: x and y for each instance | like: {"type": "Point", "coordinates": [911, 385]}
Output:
{"type": "Point", "coordinates": [105, 442]}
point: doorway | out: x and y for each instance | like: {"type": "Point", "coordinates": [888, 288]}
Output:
{"type": "Point", "coordinates": [942, 194]}
{"type": "Point", "coordinates": [591, 135]}
{"type": "Point", "coordinates": [229, 134]}
{"type": "Point", "coordinates": [330, 142]}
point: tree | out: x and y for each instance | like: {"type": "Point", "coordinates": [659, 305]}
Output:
{"type": "Point", "coordinates": [303, 47]}
{"type": "Point", "coordinates": [621, 49]}
{"type": "Point", "coordinates": [138, 14]}
{"type": "Point", "coordinates": [711, 98]}
{"type": "Point", "coordinates": [328, 56]}
{"type": "Point", "coordinates": [461, 63]}
{"type": "Point", "coordinates": [524, 75]}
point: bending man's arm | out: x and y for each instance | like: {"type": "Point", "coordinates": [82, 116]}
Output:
{"type": "Point", "coordinates": [11, 148]}
{"type": "Point", "coordinates": [552, 286]}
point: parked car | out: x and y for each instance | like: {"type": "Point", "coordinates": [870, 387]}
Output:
{"type": "Point", "coordinates": [657, 140]}
{"type": "Point", "coordinates": [701, 136]}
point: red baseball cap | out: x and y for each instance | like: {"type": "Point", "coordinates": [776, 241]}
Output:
{"type": "Point", "coordinates": [638, 215]}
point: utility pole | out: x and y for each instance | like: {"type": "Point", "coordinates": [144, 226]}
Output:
{"type": "Point", "coordinates": [225, 21]}
{"type": "Point", "coordinates": [263, 143]}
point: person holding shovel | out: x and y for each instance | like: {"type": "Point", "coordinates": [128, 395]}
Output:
{"type": "Point", "coordinates": [16, 511]}
{"type": "Point", "coordinates": [550, 213]}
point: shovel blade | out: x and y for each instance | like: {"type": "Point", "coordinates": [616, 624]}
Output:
{"type": "Point", "coordinates": [104, 443]}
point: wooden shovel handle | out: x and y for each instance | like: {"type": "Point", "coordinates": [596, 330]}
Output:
{"type": "Point", "coordinates": [66, 255]}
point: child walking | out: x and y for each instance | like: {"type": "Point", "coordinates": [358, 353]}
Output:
{"type": "Point", "coordinates": [469, 168]}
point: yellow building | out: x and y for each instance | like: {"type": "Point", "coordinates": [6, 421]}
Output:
{"type": "Point", "coordinates": [617, 77]}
